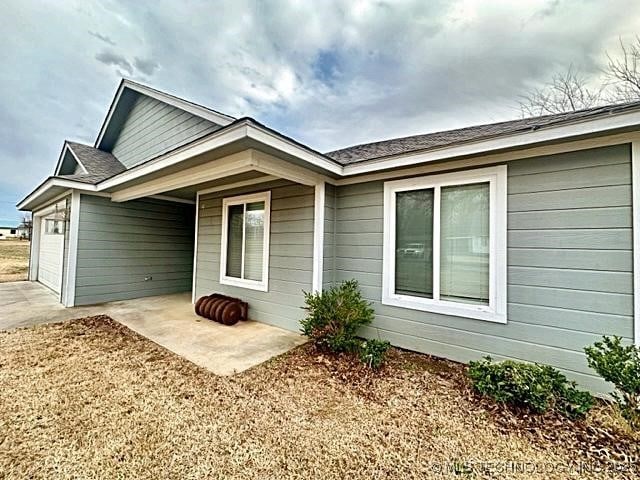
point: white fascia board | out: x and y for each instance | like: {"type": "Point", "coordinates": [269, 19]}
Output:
{"type": "Point", "coordinates": [493, 158]}
{"type": "Point", "coordinates": [198, 110]}
{"type": "Point", "coordinates": [67, 147]}
{"type": "Point", "coordinates": [271, 165]}
{"type": "Point", "coordinates": [107, 120]}
{"type": "Point", "coordinates": [54, 182]}
{"type": "Point", "coordinates": [49, 205]}
{"type": "Point", "coordinates": [56, 171]}
{"type": "Point", "coordinates": [262, 135]}
{"type": "Point", "coordinates": [199, 147]}
{"type": "Point", "coordinates": [217, 140]}
{"type": "Point", "coordinates": [287, 146]}
{"type": "Point", "coordinates": [245, 129]}
{"type": "Point", "coordinates": [234, 164]}
{"type": "Point", "coordinates": [584, 127]}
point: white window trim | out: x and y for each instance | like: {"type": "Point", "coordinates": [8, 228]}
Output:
{"type": "Point", "coordinates": [239, 282]}
{"type": "Point", "coordinates": [496, 311]}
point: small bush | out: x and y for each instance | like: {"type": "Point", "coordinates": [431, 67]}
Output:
{"type": "Point", "coordinates": [619, 365]}
{"type": "Point", "coordinates": [334, 316]}
{"type": "Point", "coordinates": [537, 387]}
{"type": "Point", "coordinates": [373, 352]}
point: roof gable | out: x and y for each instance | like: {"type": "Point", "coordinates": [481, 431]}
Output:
{"type": "Point", "coordinates": [68, 163]}
{"type": "Point", "coordinates": [86, 164]}
{"type": "Point", "coordinates": [153, 127]}
{"type": "Point", "coordinates": [143, 122]}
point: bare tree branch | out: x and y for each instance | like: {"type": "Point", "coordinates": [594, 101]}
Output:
{"type": "Point", "coordinates": [623, 74]}
{"type": "Point", "coordinates": [565, 92]}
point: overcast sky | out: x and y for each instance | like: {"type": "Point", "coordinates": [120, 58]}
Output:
{"type": "Point", "coordinates": [328, 73]}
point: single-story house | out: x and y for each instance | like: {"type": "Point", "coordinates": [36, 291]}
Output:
{"type": "Point", "coordinates": [8, 232]}
{"type": "Point", "coordinates": [518, 239]}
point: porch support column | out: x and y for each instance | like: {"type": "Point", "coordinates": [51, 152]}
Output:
{"type": "Point", "coordinates": [195, 249]}
{"type": "Point", "coordinates": [318, 236]}
{"type": "Point", "coordinates": [69, 289]}
{"type": "Point", "coordinates": [34, 254]}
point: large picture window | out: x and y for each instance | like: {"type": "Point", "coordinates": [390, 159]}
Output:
{"type": "Point", "coordinates": [244, 261]}
{"type": "Point", "coordinates": [445, 244]}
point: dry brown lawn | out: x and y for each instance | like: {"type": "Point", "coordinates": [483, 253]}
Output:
{"type": "Point", "coordinates": [91, 399]}
{"type": "Point", "coordinates": [14, 260]}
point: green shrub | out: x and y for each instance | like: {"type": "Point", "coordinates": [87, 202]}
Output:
{"type": "Point", "coordinates": [334, 316]}
{"type": "Point", "coordinates": [619, 365]}
{"type": "Point", "coordinates": [372, 352]}
{"type": "Point", "coordinates": [537, 387]}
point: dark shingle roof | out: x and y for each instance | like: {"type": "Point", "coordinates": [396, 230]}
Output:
{"type": "Point", "coordinates": [396, 146]}
{"type": "Point", "coordinates": [99, 165]}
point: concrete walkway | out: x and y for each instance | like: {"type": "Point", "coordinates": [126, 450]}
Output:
{"type": "Point", "coordinates": [167, 320]}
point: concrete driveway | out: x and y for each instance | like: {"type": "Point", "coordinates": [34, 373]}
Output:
{"type": "Point", "coordinates": [168, 320]}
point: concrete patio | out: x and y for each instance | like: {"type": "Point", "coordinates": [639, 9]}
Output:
{"type": "Point", "coordinates": [168, 320]}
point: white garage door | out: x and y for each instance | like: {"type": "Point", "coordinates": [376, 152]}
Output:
{"type": "Point", "coordinates": [51, 253]}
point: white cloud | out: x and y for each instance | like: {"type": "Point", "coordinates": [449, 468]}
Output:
{"type": "Point", "coordinates": [343, 73]}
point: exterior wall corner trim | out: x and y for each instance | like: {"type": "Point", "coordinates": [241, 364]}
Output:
{"type": "Point", "coordinates": [318, 236]}
{"type": "Point", "coordinates": [635, 186]}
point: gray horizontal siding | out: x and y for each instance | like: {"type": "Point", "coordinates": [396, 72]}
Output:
{"type": "Point", "coordinates": [153, 127]}
{"type": "Point", "coordinates": [329, 255]}
{"type": "Point", "coordinates": [569, 265]}
{"type": "Point", "coordinates": [290, 253]}
{"type": "Point", "coordinates": [119, 244]}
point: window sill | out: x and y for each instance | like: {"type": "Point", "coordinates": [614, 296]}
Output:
{"type": "Point", "coordinates": [476, 312]}
{"type": "Point", "coordinates": [248, 284]}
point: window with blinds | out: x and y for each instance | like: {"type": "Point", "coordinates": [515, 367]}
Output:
{"type": "Point", "coordinates": [445, 244]}
{"type": "Point", "coordinates": [245, 241]}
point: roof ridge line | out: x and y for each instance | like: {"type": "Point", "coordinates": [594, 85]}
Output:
{"type": "Point", "coordinates": [157, 90]}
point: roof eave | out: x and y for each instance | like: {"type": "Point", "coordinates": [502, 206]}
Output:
{"type": "Point", "coordinates": [34, 199]}
{"type": "Point", "coordinates": [600, 125]}
{"type": "Point", "coordinates": [248, 128]}
{"type": "Point", "coordinates": [243, 128]}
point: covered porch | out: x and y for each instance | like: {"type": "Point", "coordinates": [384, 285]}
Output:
{"type": "Point", "coordinates": [275, 261]}
{"type": "Point", "coordinates": [243, 211]}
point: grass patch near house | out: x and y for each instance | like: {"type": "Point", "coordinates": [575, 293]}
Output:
{"type": "Point", "coordinates": [14, 260]}
{"type": "Point", "coordinates": [89, 398]}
